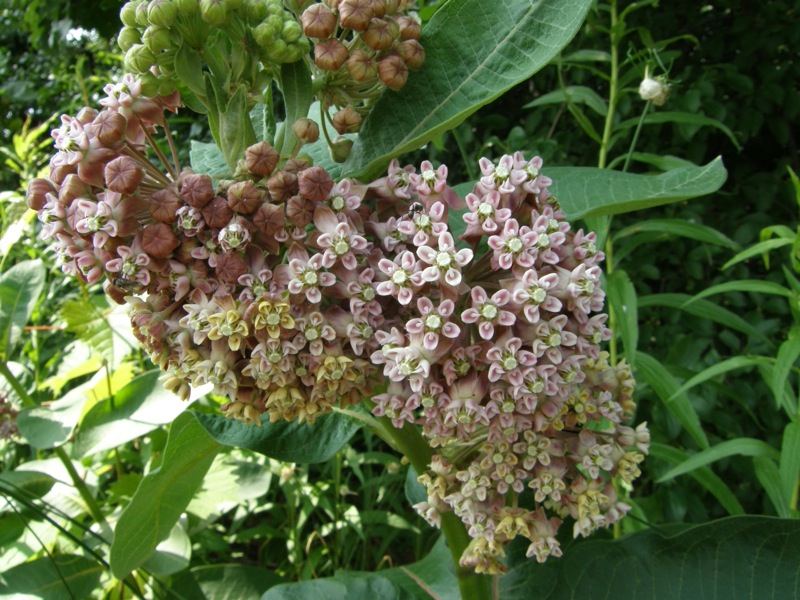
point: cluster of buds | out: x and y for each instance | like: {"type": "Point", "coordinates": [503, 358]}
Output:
{"type": "Point", "coordinates": [155, 33]}
{"type": "Point", "coordinates": [477, 319]}
{"type": "Point", "coordinates": [360, 47]}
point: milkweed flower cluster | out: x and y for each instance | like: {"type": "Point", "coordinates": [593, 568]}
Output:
{"type": "Point", "coordinates": [477, 319]}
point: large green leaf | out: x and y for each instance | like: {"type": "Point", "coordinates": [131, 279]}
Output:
{"type": "Point", "coordinates": [432, 577]}
{"type": "Point", "coordinates": [475, 51]}
{"type": "Point", "coordinates": [734, 447]}
{"type": "Point", "coordinates": [25, 484]}
{"type": "Point", "coordinates": [135, 410]}
{"type": "Point", "coordinates": [51, 426]}
{"type": "Point", "coordinates": [105, 328]}
{"type": "Point", "coordinates": [589, 192]}
{"type": "Point", "coordinates": [224, 582]}
{"type": "Point", "coordinates": [64, 577]}
{"type": "Point", "coordinates": [20, 288]}
{"type": "Point", "coordinates": [735, 557]}
{"type": "Point", "coordinates": [291, 442]}
{"type": "Point", "coordinates": [163, 495]}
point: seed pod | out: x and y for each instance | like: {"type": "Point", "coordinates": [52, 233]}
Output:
{"type": "Point", "coordinates": [318, 21]}
{"type": "Point", "coordinates": [393, 72]}
{"type": "Point", "coordinates": [261, 159]}
{"type": "Point", "coordinates": [330, 55]}
{"type": "Point", "coordinates": [158, 240]}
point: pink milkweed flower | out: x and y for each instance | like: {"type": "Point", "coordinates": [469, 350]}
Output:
{"type": "Point", "coordinates": [532, 292]}
{"type": "Point", "coordinates": [508, 359]}
{"type": "Point", "coordinates": [485, 215]}
{"type": "Point", "coordinates": [432, 322]}
{"type": "Point", "coordinates": [446, 262]}
{"type": "Point", "coordinates": [305, 275]}
{"type": "Point", "coordinates": [429, 181]}
{"type": "Point", "coordinates": [514, 245]}
{"type": "Point", "coordinates": [404, 277]}
{"type": "Point", "coordinates": [503, 177]}
{"type": "Point", "coordinates": [338, 240]}
{"type": "Point", "coordinates": [487, 312]}
{"type": "Point", "coordinates": [424, 225]}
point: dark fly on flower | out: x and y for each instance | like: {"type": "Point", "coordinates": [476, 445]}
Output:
{"type": "Point", "coordinates": [414, 209]}
{"type": "Point", "coordinates": [127, 285]}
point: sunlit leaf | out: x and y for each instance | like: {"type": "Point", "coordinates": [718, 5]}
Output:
{"type": "Point", "coordinates": [62, 577]}
{"type": "Point", "coordinates": [20, 288]}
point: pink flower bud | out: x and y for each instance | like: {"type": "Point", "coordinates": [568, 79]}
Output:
{"type": "Point", "coordinates": [123, 175]}
{"type": "Point", "coordinates": [412, 53]}
{"type": "Point", "coordinates": [361, 65]}
{"type": "Point", "coordinates": [330, 55]}
{"type": "Point", "coordinates": [261, 159]}
{"type": "Point", "coordinates": [306, 130]}
{"type": "Point", "coordinates": [315, 184]}
{"type": "Point", "coordinates": [196, 189]}
{"type": "Point", "coordinates": [282, 186]}
{"type": "Point", "coordinates": [355, 14]}
{"type": "Point", "coordinates": [230, 266]}
{"type": "Point", "coordinates": [380, 34]}
{"type": "Point", "coordinates": [409, 28]}
{"type": "Point", "coordinates": [217, 213]}
{"type": "Point", "coordinates": [347, 120]}
{"type": "Point", "coordinates": [158, 240]}
{"type": "Point", "coordinates": [109, 128]}
{"type": "Point", "coordinates": [164, 205]}
{"type": "Point", "coordinates": [244, 197]}
{"type": "Point", "coordinates": [299, 210]}
{"type": "Point", "coordinates": [318, 21]}
{"type": "Point", "coordinates": [37, 189]}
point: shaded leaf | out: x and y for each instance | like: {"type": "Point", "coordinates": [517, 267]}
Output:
{"type": "Point", "coordinates": [105, 328]}
{"type": "Point", "coordinates": [788, 354]}
{"type": "Point", "coordinates": [20, 288]}
{"type": "Point", "coordinates": [225, 582]}
{"type": "Point", "coordinates": [735, 447]}
{"type": "Point", "coordinates": [743, 285]}
{"type": "Point", "coordinates": [725, 366]}
{"type": "Point", "coordinates": [789, 464]}
{"type": "Point", "coordinates": [679, 227]}
{"type": "Point", "coordinates": [52, 425]}
{"type": "Point", "coordinates": [590, 192]}
{"type": "Point", "coordinates": [734, 557]}
{"type": "Point", "coordinates": [291, 442]}
{"type": "Point", "coordinates": [679, 117]}
{"type": "Point", "coordinates": [622, 300]}
{"type": "Point", "coordinates": [171, 555]}
{"type": "Point", "coordinates": [163, 495]}
{"type": "Point", "coordinates": [577, 94]}
{"type": "Point", "coordinates": [769, 476]}
{"type": "Point", "coordinates": [474, 51]}
{"type": "Point", "coordinates": [757, 249]}
{"type": "Point", "coordinates": [29, 484]}
{"type": "Point", "coordinates": [206, 157]}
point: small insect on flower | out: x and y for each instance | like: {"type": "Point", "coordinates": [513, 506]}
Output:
{"type": "Point", "coordinates": [128, 285]}
{"type": "Point", "coordinates": [414, 209]}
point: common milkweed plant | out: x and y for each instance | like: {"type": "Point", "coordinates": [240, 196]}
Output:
{"type": "Point", "coordinates": [302, 269]}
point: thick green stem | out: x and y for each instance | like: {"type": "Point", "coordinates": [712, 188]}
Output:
{"type": "Point", "coordinates": [613, 89]}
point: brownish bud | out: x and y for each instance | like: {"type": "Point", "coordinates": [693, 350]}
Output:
{"type": "Point", "coordinates": [230, 266]}
{"type": "Point", "coordinates": [347, 120]}
{"type": "Point", "coordinates": [361, 65]}
{"type": "Point", "coordinates": [299, 210]}
{"type": "Point", "coordinates": [298, 163]}
{"type": "Point", "coordinates": [340, 149]}
{"type": "Point", "coordinates": [261, 159]}
{"type": "Point", "coordinates": [109, 128]}
{"type": "Point", "coordinates": [269, 219]}
{"type": "Point", "coordinates": [409, 28]}
{"type": "Point", "coordinates": [196, 189]}
{"type": "Point", "coordinates": [72, 187]}
{"type": "Point", "coordinates": [37, 190]}
{"type": "Point", "coordinates": [164, 205]}
{"type": "Point", "coordinates": [158, 240]}
{"type": "Point", "coordinates": [378, 9]}
{"type": "Point", "coordinates": [390, 7]}
{"type": "Point", "coordinates": [380, 34]}
{"type": "Point", "coordinates": [86, 115]}
{"type": "Point", "coordinates": [123, 175]}
{"type": "Point", "coordinates": [318, 21]}
{"type": "Point", "coordinates": [412, 53]}
{"type": "Point", "coordinates": [59, 174]}
{"type": "Point", "coordinates": [393, 72]}
{"type": "Point", "coordinates": [306, 130]}
{"type": "Point", "coordinates": [315, 184]}
{"type": "Point", "coordinates": [330, 55]}
{"type": "Point", "coordinates": [217, 213]}
{"type": "Point", "coordinates": [355, 14]}
{"type": "Point", "coordinates": [244, 197]}
{"type": "Point", "coordinates": [282, 185]}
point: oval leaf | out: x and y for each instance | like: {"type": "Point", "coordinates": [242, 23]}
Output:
{"type": "Point", "coordinates": [63, 577]}
{"type": "Point", "coordinates": [20, 288]}
{"type": "Point", "coordinates": [589, 192]}
{"type": "Point", "coordinates": [475, 51]}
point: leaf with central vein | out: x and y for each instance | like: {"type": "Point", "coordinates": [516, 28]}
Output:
{"type": "Point", "coordinates": [474, 52]}
{"type": "Point", "coordinates": [735, 447]}
{"type": "Point", "coordinates": [163, 495]}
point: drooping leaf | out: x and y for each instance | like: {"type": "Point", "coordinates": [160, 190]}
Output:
{"type": "Point", "coordinates": [475, 51]}
{"type": "Point", "coordinates": [679, 227]}
{"type": "Point", "coordinates": [62, 577]}
{"type": "Point", "coordinates": [163, 495]}
{"type": "Point", "coordinates": [20, 288]}
{"type": "Point", "coordinates": [665, 385]}
{"type": "Point", "coordinates": [28, 484]}
{"type": "Point", "coordinates": [734, 557]}
{"type": "Point", "coordinates": [134, 411]}
{"type": "Point", "coordinates": [681, 118]}
{"type": "Point", "coordinates": [291, 442]}
{"type": "Point", "coordinates": [745, 285]}
{"type": "Point", "coordinates": [717, 369]}
{"type": "Point", "coordinates": [734, 447]}
{"type": "Point", "coordinates": [589, 192]}
{"type": "Point", "coordinates": [622, 300]}
{"type": "Point", "coordinates": [577, 94]}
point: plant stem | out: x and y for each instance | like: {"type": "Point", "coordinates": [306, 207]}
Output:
{"type": "Point", "coordinates": [635, 137]}
{"type": "Point", "coordinates": [613, 89]}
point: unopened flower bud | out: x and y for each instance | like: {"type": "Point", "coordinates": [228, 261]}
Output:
{"type": "Point", "coordinates": [123, 175]}
{"type": "Point", "coordinates": [291, 32]}
{"type": "Point", "coordinates": [318, 21]}
{"type": "Point", "coordinates": [355, 14]}
{"type": "Point", "coordinates": [380, 34]}
{"type": "Point", "coordinates": [340, 149]}
{"type": "Point", "coordinates": [213, 12]}
{"type": "Point", "coordinates": [330, 55]}
{"type": "Point", "coordinates": [269, 219]}
{"type": "Point", "coordinates": [161, 12]}
{"type": "Point", "coordinates": [257, 10]}
{"type": "Point", "coordinates": [412, 53]}
{"type": "Point", "coordinates": [306, 130]}
{"type": "Point", "coordinates": [244, 197]}
{"type": "Point", "coordinates": [71, 188]}
{"type": "Point", "coordinates": [128, 14]}
{"type": "Point", "coordinates": [156, 38]}
{"type": "Point", "coordinates": [261, 159]}
{"type": "Point", "coordinates": [347, 120]}
{"type": "Point", "coordinates": [37, 189]}
{"type": "Point", "coordinates": [409, 28]}
{"type": "Point", "coordinates": [128, 36]}
{"type": "Point", "coordinates": [86, 115]}
{"type": "Point", "coordinates": [298, 163]}
{"type": "Point", "coordinates": [299, 210]}
{"type": "Point", "coordinates": [196, 189]}
{"type": "Point", "coordinates": [141, 14]}
{"type": "Point", "coordinates": [315, 183]}
{"type": "Point", "coordinates": [297, 6]}
{"type": "Point", "coordinates": [217, 213]}
{"type": "Point", "coordinates": [653, 90]}
{"type": "Point", "coordinates": [361, 65]}
{"type": "Point", "coordinates": [158, 240]}
{"type": "Point", "coordinates": [186, 8]}
{"type": "Point", "coordinates": [164, 205]}
{"type": "Point", "coordinates": [139, 58]}
{"type": "Point", "coordinates": [230, 266]}
{"type": "Point", "coordinates": [282, 186]}
{"type": "Point", "coordinates": [393, 72]}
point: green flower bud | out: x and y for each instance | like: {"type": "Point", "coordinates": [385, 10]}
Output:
{"type": "Point", "coordinates": [232, 5]}
{"type": "Point", "coordinates": [340, 149]}
{"type": "Point", "coordinates": [141, 15]}
{"type": "Point", "coordinates": [298, 50]}
{"type": "Point", "coordinates": [186, 8]}
{"type": "Point", "coordinates": [275, 8]}
{"type": "Point", "coordinates": [150, 84]}
{"type": "Point", "coordinates": [128, 13]}
{"type": "Point", "coordinates": [277, 50]}
{"type": "Point", "coordinates": [263, 34]}
{"type": "Point", "coordinates": [161, 12]}
{"type": "Point", "coordinates": [128, 36]}
{"type": "Point", "coordinates": [139, 59]}
{"type": "Point", "coordinates": [291, 31]}
{"type": "Point", "coordinates": [156, 38]}
{"type": "Point", "coordinates": [298, 6]}
{"type": "Point", "coordinates": [256, 10]}
{"type": "Point", "coordinates": [213, 12]}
